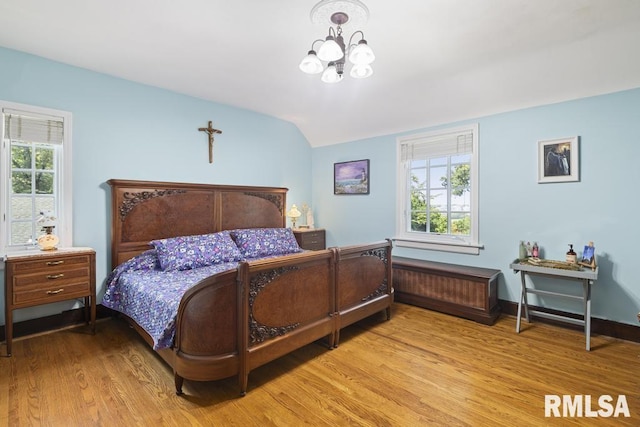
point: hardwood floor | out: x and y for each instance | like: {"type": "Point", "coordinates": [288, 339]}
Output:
{"type": "Point", "coordinates": [419, 368]}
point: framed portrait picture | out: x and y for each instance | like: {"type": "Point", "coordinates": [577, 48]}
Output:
{"type": "Point", "coordinates": [351, 177]}
{"type": "Point", "coordinates": [588, 253]}
{"type": "Point", "coordinates": [589, 256]}
{"type": "Point", "coordinates": [558, 160]}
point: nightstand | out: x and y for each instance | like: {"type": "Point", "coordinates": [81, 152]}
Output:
{"type": "Point", "coordinates": [310, 238]}
{"type": "Point", "coordinates": [36, 277]}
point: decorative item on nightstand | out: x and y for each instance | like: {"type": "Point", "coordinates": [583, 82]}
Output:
{"type": "Point", "coordinates": [294, 214]}
{"type": "Point", "coordinates": [47, 222]}
{"type": "Point", "coordinates": [307, 214]}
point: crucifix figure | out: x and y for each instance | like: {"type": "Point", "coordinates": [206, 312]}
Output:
{"type": "Point", "coordinates": [211, 131]}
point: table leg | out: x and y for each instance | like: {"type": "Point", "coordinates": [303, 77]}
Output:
{"type": "Point", "coordinates": [523, 299]}
{"type": "Point", "coordinates": [587, 313]}
{"type": "Point", "coordinates": [526, 300]}
{"type": "Point", "coordinates": [93, 314]}
{"type": "Point", "coordinates": [87, 310]}
{"type": "Point", "coordinates": [8, 330]}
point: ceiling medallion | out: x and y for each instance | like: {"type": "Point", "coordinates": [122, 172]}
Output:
{"type": "Point", "coordinates": [356, 12]}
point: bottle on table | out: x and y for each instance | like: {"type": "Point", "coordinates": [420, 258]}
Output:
{"type": "Point", "coordinates": [572, 257]}
{"type": "Point", "coordinates": [522, 253]}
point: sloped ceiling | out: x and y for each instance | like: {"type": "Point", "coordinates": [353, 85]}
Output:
{"type": "Point", "coordinates": [437, 61]}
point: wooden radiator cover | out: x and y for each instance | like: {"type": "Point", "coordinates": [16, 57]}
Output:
{"type": "Point", "coordinates": [469, 292]}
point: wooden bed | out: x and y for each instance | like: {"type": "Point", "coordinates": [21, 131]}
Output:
{"type": "Point", "coordinates": [235, 321]}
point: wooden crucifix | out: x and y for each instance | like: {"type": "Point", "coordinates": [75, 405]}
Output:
{"type": "Point", "coordinates": [211, 131]}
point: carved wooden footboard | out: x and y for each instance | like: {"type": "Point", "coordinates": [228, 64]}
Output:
{"type": "Point", "coordinates": [206, 341]}
{"type": "Point", "coordinates": [287, 303]}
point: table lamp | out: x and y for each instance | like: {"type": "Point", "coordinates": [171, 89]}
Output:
{"type": "Point", "coordinates": [47, 241]}
{"type": "Point", "coordinates": [294, 214]}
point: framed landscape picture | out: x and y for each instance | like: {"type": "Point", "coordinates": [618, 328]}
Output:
{"type": "Point", "coordinates": [351, 177]}
{"type": "Point", "coordinates": [558, 160]}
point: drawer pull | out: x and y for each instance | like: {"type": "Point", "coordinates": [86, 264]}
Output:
{"type": "Point", "coordinates": [55, 276]}
{"type": "Point", "coordinates": [55, 262]}
{"type": "Point", "coordinates": [55, 292]}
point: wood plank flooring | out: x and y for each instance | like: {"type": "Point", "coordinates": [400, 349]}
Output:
{"type": "Point", "coordinates": [419, 368]}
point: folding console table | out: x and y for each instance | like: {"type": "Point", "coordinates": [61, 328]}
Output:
{"type": "Point", "coordinates": [586, 276]}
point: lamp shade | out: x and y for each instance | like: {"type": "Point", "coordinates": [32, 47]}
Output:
{"type": "Point", "coordinates": [294, 212]}
{"type": "Point", "coordinates": [330, 50]}
{"type": "Point", "coordinates": [331, 75]}
{"type": "Point", "coordinates": [310, 64]}
{"type": "Point", "coordinates": [46, 219]}
{"type": "Point", "coordinates": [361, 71]}
{"type": "Point", "coordinates": [361, 54]}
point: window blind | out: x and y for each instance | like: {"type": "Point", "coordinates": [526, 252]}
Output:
{"type": "Point", "coordinates": [31, 128]}
{"type": "Point", "coordinates": [437, 146]}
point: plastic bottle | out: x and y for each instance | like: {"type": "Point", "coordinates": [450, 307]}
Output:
{"type": "Point", "coordinates": [572, 257]}
{"type": "Point", "coordinates": [522, 253]}
{"type": "Point", "coordinates": [535, 251]}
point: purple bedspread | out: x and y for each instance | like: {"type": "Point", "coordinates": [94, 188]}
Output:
{"type": "Point", "coordinates": [150, 296]}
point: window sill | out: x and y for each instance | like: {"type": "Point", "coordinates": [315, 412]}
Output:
{"type": "Point", "coordinates": [462, 248]}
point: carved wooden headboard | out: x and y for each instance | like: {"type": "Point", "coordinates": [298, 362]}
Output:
{"type": "Point", "coordinates": [146, 210]}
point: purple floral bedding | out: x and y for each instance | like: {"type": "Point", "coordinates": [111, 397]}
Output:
{"type": "Point", "coordinates": [148, 288]}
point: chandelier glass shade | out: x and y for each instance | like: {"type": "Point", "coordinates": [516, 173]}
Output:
{"type": "Point", "coordinates": [361, 54]}
{"type": "Point", "coordinates": [311, 64]}
{"type": "Point", "coordinates": [333, 50]}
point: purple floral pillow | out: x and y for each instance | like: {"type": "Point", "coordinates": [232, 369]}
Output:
{"type": "Point", "coordinates": [187, 252]}
{"type": "Point", "coordinates": [259, 242]}
{"type": "Point", "coordinates": [147, 260]}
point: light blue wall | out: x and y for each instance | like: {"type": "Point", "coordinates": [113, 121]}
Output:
{"type": "Point", "coordinates": [130, 131]}
{"type": "Point", "coordinates": [127, 130]}
{"type": "Point", "coordinates": [601, 207]}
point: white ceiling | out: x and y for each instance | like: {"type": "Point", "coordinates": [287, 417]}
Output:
{"type": "Point", "coordinates": [437, 61]}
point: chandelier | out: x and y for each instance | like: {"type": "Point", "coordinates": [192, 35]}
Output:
{"type": "Point", "coordinates": [333, 50]}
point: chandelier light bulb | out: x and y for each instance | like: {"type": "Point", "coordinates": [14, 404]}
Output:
{"type": "Point", "coordinates": [310, 64]}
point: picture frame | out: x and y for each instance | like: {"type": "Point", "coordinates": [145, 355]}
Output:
{"type": "Point", "coordinates": [589, 256]}
{"type": "Point", "coordinates": [558, 160]}
{"type": "Point", "coordinates": [588, 253]}
{"type": "Point", "coordinates": [351, 177]}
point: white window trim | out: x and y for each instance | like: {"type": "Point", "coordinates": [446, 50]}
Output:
{"type": "Point", "coordinates": [64, 229]}
{"type": "Point", "coordinates": [446, 243]}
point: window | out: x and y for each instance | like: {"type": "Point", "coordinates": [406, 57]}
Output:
{"type": "Point", "coordinates": [437, 202]}
{"type": "Point", "coordinates": [35, 173]}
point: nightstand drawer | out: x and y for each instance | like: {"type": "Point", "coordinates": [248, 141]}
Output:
{"type": "Point", "coordinates": [314, 238]}
{"type": "Point", "coordinates": [22, 282]}
{"type": "Point", "coordinates": [54, 292]}
{"type": "Point", "coordinates": [51, 264]}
